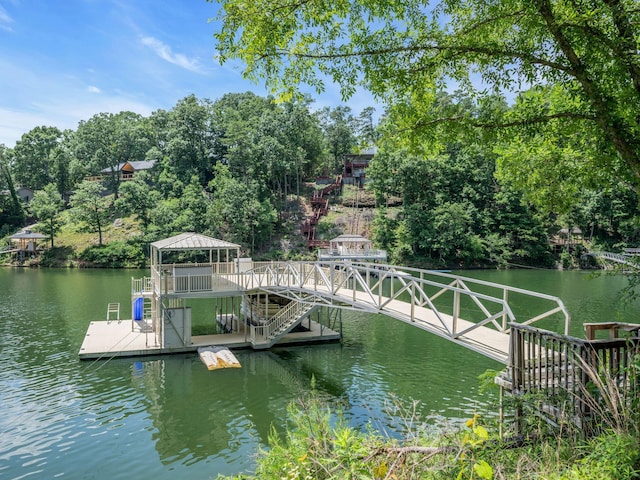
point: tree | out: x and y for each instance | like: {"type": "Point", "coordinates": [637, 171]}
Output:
{"type": "Point", "coordinates": [581, 58]}
{"type": "Point", "coordinates": [90, 209]}
{"type": "Point", "coordinates": [367, 130]}
{"type": "Point", "coordinates": [138, 198]}
{"type": "Point", "coordinates": [46, 206]}
{"type": "Point", "coordinates": [236, 212]}
{"type": "Point", "coordinates": [192, 141]}
{"type": "Point", "coordinates": [338, 126]}
{"type": "Point", "coordinates": [36, 160]}
{"type": "Point", "coordinates": [193, 208]}
{"type": "Point", "coordinates": [11, 212]}
{"type": "Point", "coordinates": [236, 115]}
{"type": "Point", "coordinates": [106, 141]}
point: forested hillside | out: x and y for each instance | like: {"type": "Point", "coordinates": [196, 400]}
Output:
{"type": "Point", "coordinates": [240, 168]}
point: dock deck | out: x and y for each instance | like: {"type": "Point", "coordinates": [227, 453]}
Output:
{"type": "Point", "coordinates": [117, 338]}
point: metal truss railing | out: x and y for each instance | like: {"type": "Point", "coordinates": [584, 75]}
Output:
{"type": "Point", "coordinates": [379, 288]}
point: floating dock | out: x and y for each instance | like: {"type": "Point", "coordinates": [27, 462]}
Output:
{"type": "Point", "coordinates": [126, 338]}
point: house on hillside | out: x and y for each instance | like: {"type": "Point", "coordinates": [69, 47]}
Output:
{"type": "Point", "coordinates": [354, 166]}
{"type": "Point", "coordinates": [24, 193]}
{"type": "Point", "coordinates": [126, 170]}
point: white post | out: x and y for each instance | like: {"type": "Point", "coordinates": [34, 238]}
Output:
{"type": "Point", "coordinates": [505, 299]}
{"type": "Point", "coordinates": [413, 303]}
{"type": "Point", "coordinates": [456, 309]}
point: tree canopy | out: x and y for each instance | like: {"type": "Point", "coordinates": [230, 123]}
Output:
{"type": "Point", "coordinates": [46, 206]}
{"type": "Point", "coordinates": [578, 60]}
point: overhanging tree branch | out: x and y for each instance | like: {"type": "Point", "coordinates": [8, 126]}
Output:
{"type": "Point", "coordinates": [453, 49]}
{"type": "Point", "coordinates": [538, 119]}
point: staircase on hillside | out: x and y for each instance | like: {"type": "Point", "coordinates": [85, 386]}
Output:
{"type": "Point", "coordinates": [320, 205]}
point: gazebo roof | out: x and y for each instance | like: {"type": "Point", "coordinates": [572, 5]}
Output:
{"type": "Point", "coordinates": [28, 235]}
{"type": "Point", "coordinates": [192, 241]}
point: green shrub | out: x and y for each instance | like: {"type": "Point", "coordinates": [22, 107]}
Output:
{"type": "Point", "coordinates": [115, 254]}
{"type": "Point", "coordinates": [612, 456]}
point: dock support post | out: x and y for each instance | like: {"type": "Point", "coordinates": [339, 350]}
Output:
{"type": "Point", "coordinates": [501, 412]}
{"type": "Point", "coordinates": [517, 372]}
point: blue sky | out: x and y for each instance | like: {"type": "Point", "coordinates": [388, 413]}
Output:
{"type": "Point", "coordinates": [63, 61]}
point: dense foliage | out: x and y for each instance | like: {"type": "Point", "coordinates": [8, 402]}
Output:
{"type": "Point", "coordinates": [575, 123]}
{"type": "Point", "coordinates": [320, 444]}
{"type": "Point", "coordinates": [239, 168]}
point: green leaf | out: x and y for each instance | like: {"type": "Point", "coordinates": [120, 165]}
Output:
{"type": "Point", "coordinates": [481, 432]}
{"type": "Point", "coordinates": [483, 470]}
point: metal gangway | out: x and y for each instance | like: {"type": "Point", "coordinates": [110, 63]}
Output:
{"type": "Point", "coordinates": [628, 258]}
{"type": "Point", "coordinates": [470, 312]}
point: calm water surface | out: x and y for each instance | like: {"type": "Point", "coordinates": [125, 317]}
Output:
{"type": "Point", "coordinates": [171, 418]}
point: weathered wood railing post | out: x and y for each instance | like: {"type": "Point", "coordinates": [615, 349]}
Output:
{"type": "Point", "coordinates": [517, 372]}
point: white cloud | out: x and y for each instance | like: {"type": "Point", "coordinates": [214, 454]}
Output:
{"type": "Point", "coordinates": [5, 20]}
{"type": "Point", "coordinates": [93, 89]}
{"type": "Point", "coordinates": [165, 52]}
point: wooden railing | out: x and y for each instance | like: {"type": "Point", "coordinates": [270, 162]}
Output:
{"type": "Point", "coordinates": [566, 372]}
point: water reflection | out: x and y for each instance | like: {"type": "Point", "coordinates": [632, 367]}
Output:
{"type": "Point", "coordinates": [198, 413]}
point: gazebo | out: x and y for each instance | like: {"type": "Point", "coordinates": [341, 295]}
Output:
{"type": "Point", "coordinates": [351, 247]}
{"type": "Point", "coordinates": [217, 251]}
{"type": "Point", "coordinates": [27, 241]}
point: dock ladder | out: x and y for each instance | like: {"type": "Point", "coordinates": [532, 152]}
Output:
{"type": "Point", "coordinates": [111, 309]}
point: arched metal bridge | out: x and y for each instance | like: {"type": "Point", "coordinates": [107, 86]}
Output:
{"type": "Point", "coordinates": [629, 258]}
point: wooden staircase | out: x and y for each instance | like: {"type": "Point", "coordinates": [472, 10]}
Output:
{"type": "Point", "coordinates": [320, 205]}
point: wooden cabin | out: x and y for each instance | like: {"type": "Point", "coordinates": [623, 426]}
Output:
{"type": "Point", "coordinates": [127, 170]}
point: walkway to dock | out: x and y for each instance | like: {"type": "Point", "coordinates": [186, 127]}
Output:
{"type": "Point", "coordinates": [469, 312]}
{"type": "Point", "coordinates": [473, 313]}
{"type": "Point", "coordinates": [628, 258]}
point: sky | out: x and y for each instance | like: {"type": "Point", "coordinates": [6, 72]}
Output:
{"type": "Point", "coordinates": [63, 61]}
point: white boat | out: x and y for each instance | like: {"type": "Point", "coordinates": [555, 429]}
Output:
{"type": "Point", "coordinates": [218, 357]}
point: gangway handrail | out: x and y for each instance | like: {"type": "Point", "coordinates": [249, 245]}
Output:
{"type": "Point", "coordinates": [335, 276]}
{"type": "Point", "coordinates": [627, 258]}
{"type": "Point", "coordinates": [406, 293]}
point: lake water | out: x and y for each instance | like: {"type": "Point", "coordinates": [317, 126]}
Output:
{"type": "Point", "coordinates": [169, 417]}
